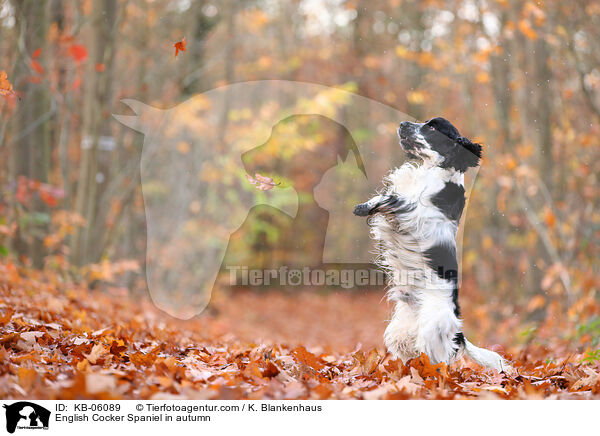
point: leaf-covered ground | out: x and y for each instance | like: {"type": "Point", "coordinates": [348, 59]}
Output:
{"type": "Point", "coordinates": [59, 340]}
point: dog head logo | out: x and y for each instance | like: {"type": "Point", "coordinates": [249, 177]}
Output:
{"type": "Point", "coordinates": [26, 415]}
{"type": "Point", "coordinates": [325, 149]}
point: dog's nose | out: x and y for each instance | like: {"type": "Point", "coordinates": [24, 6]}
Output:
{"type": "Point", "coordinates": [404, 124]}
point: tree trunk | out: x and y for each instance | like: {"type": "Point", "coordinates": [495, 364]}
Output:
{"type": "Point", "coordinates": [95, 123]}
{"type": "Point", "coordinates": [31, 146]}
{"type": "Point", "coordinates": [544, 111]}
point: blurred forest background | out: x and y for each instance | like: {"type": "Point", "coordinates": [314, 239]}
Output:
{"type": "Point", "coordinates": [522, 77]}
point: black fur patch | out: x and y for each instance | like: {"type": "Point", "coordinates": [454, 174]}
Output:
{"type": "Point", "coordinates": [459, 339]}
{"type": "Point", "coordinates": [442, 259]}
{"type": "Point", "coordinates": [450, 200]}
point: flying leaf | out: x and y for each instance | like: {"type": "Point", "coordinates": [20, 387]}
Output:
{"type": "Point", "coordinates": [261, 182]}
{"type": "Point", "coordinates": [180, 46]}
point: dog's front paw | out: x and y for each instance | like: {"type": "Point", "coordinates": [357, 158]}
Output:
{"type": "Point", "coordinates": [362, 209]}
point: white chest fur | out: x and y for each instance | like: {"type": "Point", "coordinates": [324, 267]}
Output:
{"type": "Point", "coordinates": [419, 182]}
{"type": "Point", "coordinates": [418, 185]}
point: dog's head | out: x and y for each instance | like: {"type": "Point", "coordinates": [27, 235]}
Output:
{"type": "Point", "coordinates": [438, 142]}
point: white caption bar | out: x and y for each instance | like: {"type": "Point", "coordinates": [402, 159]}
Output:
{"type": "Point", "coordinates": [297, 417]}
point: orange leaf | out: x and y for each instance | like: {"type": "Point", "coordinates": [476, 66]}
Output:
{"type": "Point", "coordinates": [5, 86]}
{"type": "Point", "coordinates": [48, 198]}
{"type": "Point", "coordinates": [180, 46]}
{"type": "Point", "coordinates": [535, 303]}
{"type": "Point", "coordinates": [140, 359]}
{"type": "Point", "coordinates": [369, 362]}
{"type": "Point", "coordinates": [27, 376]}
{"type": "Point", "coordinates": [307, 358]}
{"type": "Point", "coordinates": [527, 30]}
{"type": "Point", "coordinates": [483, 77]}
{"type": "Point", "coordinates": [6, 317]}
{"type": "Point", "coordinates": [549, 218]}
{"type": "Point", "coordinates": [78, 52]}
{"type": "Point", "coordinates": [271, 370]}
{"type": "Point", "coordinates": [118, 347]}
{"type": "Point", "coordinates": [37, 66]}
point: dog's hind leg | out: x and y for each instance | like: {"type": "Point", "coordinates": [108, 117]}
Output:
{"type": "Point", "coordinates": [400, 334]}
{"type": "Point", "coordinates": [437, 326]}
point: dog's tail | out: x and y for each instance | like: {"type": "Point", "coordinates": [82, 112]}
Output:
{"type": "Point", "coordinates": [486, 358]}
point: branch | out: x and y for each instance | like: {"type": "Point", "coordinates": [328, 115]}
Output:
{"type": "Point", "coordinates": [589, 98]}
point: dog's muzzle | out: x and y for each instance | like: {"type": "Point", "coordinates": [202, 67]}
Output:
{"type": "Point", "coordinates": [406, 131]}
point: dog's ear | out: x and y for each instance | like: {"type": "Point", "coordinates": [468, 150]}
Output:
{"type": "Point", "coordinates": [469, 153]}
{"type": "Point", "coordinates": [348, 145]}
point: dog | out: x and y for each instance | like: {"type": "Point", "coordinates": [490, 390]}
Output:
{"type": "Point", "coordinates": [415, 220]}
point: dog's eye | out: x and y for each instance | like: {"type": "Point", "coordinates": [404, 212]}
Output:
{"type": "Point", "coordinates": [431, 127]}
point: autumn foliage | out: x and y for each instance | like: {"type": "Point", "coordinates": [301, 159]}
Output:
{"type": "Point", "coordinates": [60, 340]}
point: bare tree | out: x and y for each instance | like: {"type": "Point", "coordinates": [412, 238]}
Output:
{"type": "Point", "coordinates": [31, 148]}
{"type": "Point", "coordinates": [97, 97]}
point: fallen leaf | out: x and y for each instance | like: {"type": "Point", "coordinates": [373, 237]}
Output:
{"type": "Point", "coordinates": [27, 377]}
{"type": "Point", "coordinates": [368, 363]}
{"type": "Point", "coordinates": [307, 358]}
{"type": "Point", "coordinates": [96, 383]}
{"type": "Point", "coordinates": [416, 377]}
{"type": "Point", "coordinates": [6, 317]}
{"type": "Point", "coordinates": [30, 337]}
{"type": "Point", "coordinates": [271, 370]}
{"type": "Point", "coordinates": [589, 380]}
{"type": "Point", "coordinates": [498, 389]}
{"type": "Point", "coordinates": [407, 384]}
{"type": "Point", "coordinates": [97, 352]}
{"type": "Point", "coordinates": [140, 359]}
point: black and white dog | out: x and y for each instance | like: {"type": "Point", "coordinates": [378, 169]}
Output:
{"type": "Point", "coordinates": [415, 220]}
